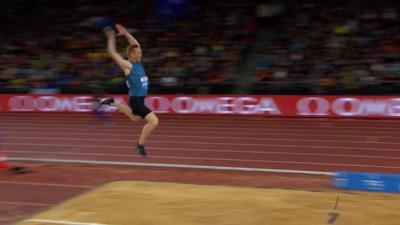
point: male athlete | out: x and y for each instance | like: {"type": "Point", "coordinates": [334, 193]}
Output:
{"type": "Point", "coordinates": [137, 82]}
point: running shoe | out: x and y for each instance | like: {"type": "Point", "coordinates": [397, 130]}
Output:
{"type": "Point", "coordinates": [140, 149]}
{"type": "Point", "coordinates": [106, 101]}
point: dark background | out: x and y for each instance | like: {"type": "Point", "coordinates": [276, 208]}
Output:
{"type": "Point", "coordinates": [204, 47]}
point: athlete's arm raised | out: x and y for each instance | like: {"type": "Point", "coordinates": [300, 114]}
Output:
{"type": "Point", "coordinates": [112, 51]}
{"type": "Point", "coordinates": [122, 31]}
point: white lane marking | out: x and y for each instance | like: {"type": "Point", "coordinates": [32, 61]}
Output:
{"type": "Point", "coordinates": [206, 126]}
{"type": "Point", "coordinates": [215, 143]}
{"type": "Point", "coordinates": [194, 127]}
{"type": "Point", "coordinates": [23, 203]}
{"type": "Point", "coordinates": [225, 120]}
{"type": "Point", "coordinates": [202, 158]}
{"type": "Point", "coordinates": [45, 184]}
{"type": "Point", "coordinates": [61, 222]}
{"type": "Point", "coordinates": [201, 150]}
{"type": "Point", "coordinates": [230, 134]}
{"type": "Point", "coordinates": [173, 166]}
{"type": "Point", "coordinates": [39, 135]}
{"type": "Point", "coordinates": [226, 168]}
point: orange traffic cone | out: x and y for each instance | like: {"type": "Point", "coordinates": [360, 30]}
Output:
{"type": "Point", "coordinates": [3, 163]}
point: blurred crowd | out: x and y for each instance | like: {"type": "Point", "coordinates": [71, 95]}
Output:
{"type": "Point", "coordinates": [333, 47]}
{"type": "Point", "coordinates": [52, 46]}
{"type": "Point", "coordinates": [318, 47]}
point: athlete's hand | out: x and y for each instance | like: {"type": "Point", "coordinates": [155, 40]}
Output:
{"type": "Point", "coordinates": [109, 32]}
{"type": "Point", "coordinates": [121, 30]}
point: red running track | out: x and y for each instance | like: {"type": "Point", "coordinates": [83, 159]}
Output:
{"type": "Point", "coordinates": [324, 145]}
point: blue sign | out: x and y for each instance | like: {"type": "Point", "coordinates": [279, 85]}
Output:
{"type": "Point", "coordinates": [367, 181]}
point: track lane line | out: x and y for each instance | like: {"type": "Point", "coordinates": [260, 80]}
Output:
{"type": "Point", "coordinates": [24, 203]}
{"type": "Point", "coordinates": [45, 184]}
{"type": "Point", "coordinates": [193, 136]}
{"type": "Point", "coordinates": [167, 142]}
{"type": "Point", "coordinates": [172, 165]}
{"type": "Point", "coordinates": [193, 128]}
{"type": "Point", "coordinates": [65, 222]}
{"type": "Point", "coordinates": [204, 132]}
{"type": "Point", "coordinates": [216, 118]}
{"type": "Point", "coordinates": [205, 125]}
{"type": "Point", "coordinates": [167, 165]}
{"type": "Point", "coordinates": [218, 151]}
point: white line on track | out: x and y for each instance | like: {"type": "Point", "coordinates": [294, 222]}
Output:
{"type": "Point", "coordinates": [218, 119]}
{"type": "Point", "coordinates": [194, 128]}
{"type": "Point", "coordinates": [326, 125]}
{"type": "Point", "coordinates": [23, 203]}
{"type": "Point", "coordinates": [185, 166]}
{"type": "Point", "coordinates": [199, 121]}
{"type": "Point", "coordinates": [258, 161]}
{"type": "Point", "coordinates": [191, 150]}
{"type": "Point", "coordinates": [206, 125]}
{"type": "Point", "coordinates": [177, 142]}
{"type": "Point", "coordinates": [45, 184]}
{"type": "Point", "coordinates": [230, 134]}
{"type": "Point", "coordinates": [184, 116]}
{"type": "Point", "coordinates": [44, 221]}
{"type": "Point", "coordinates": [41, 136]}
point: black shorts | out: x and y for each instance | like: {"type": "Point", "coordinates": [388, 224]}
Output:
{"type": "Point", "coordinates": [138, 107]}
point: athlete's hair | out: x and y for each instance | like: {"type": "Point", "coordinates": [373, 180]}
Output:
{"type": "Point", "coordinates": [130, 48]}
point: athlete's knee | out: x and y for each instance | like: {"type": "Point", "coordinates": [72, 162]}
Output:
{"type": "Point", "coordinates": [154, 121]}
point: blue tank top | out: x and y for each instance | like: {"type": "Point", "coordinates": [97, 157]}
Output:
{"type": "Point", "coordinates": [137, 80]}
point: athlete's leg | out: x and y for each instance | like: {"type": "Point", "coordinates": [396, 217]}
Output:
{"type": "Point", "coordinates": [123, 108]}
{"type": "Point", "coordinates": [152, 122]}
{"type": "Point", "coordinates": [126, 110]}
